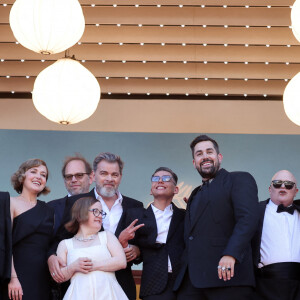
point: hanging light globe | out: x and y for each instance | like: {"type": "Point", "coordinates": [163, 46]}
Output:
{"type": "Point", "coordinates": [66, 92]}
{"type": "Point", "coordinates": [295, 19]}
{"type": "Point", "coordinates": [291, 99]}
{"type": "Point", "coordinates": [47, 26]}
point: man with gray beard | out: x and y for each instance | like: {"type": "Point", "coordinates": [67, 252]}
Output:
{"type": "Point", "coordinates": [108, 169]}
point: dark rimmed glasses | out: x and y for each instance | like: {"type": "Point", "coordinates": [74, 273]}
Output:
{"type": "Point", "coordinates": [287, 184]}
{"type": "Point", "coordinates": [96, 212]}
{"type": "Point", "coordinates": [164, 178]}
{"type": "Point", "coordinates": [78, 176]}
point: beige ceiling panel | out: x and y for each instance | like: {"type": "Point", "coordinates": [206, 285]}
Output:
{"type": "Point", "coordinates": [176, 35]}
{"type": "Point", "coordinates": [161, 70]}
{"type": "Point", "coordinates": [186, 2]}
{"type": "Point", "coordinates": [189, 35]}
{"type": "Point", "coordinates": [149, 53]}
{"type": "Point", "coordinates": [234, 16]}
{"type": "Point", "coordinates": [193, 86]}
{"type": "Point", "coordinates": [16, 84]}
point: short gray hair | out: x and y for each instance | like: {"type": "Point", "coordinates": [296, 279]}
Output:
{"type": "Point", "coordinates": [109, 157]}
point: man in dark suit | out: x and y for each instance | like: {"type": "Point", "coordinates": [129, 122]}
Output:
{"type": "Point", "coordinates": [107, 174]}
{"type": "Point", "coordinates": [161, 238]}
{"type": "Point", "coordinates": [220, 221]}
{"type": "Point", "coordinates": [276, 244]}
{"type": "Point", "coordinates": [77, 174]}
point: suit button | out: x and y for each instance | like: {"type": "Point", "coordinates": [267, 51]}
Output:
{"type": "Point", "coordinates": [191, 238]}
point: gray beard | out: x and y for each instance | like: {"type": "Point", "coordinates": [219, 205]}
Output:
{"type": "Point", "coordinates": [103, 191]}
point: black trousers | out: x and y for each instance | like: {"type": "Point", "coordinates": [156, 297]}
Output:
{"type": "Point", "coordinates": [188, 292]}
{"type": "Point", "coordinates": [280, 281]}
{"type": "Point", "coordinates": [167, 293]}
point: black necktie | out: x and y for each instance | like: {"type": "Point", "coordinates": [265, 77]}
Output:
{"type": "Point", "coordinates": [290, 209]}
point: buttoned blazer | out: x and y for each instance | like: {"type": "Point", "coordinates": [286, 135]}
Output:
{"type": "Point", "coordinates": [5, 239]}
{"type": "Point", "coordinates": [123, 276]}
{"type": "Point", "coordinates": [154, 255]}
{"type": "Point", "coordinates": [224, 224]}
{"type": "Point", "coordinates": [256, 241]}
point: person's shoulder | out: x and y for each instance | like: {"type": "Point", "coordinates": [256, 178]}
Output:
{"type": "Point", "coordinates": [241, 175]}
{"type": "Point", "coordinates": [55, 202]}
{"type": "Point", "coordinates": [132, 202]}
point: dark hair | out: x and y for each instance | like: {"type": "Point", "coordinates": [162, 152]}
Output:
{"type": "Point", "coordinates": [174, 176]}
{"type": "Point", "coordinates": [79, 213]}
{"type": "Point", "coordinates": [203, 138]}
{"type": "Point", "coordinates": [17, 179]}
{"type": "Point", "coordinates": [109, 157]}
{"type": "Point", "coordinates": [77, 156]}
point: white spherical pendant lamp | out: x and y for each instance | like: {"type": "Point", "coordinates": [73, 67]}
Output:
{"type": "Point", "coordinates": [295, 19]}
{"type": "Point", "coordinates": [47, 26]}
{"type": "Point", "coordinates": [66, 92]}
{"type": "Point", "coordinates": [291, 99]}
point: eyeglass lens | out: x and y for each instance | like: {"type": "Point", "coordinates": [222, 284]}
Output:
{"type": "Point", "coordinates": [98, 212]}
{"type": "Point", "coordinates": [78, 176]}
{"type": "Point", "coordinates": [287, 184]}
{"type": "Point", "coordinates": [164, 178]}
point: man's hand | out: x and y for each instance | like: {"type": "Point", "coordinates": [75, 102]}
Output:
{"type": "Point", "coordinates": [132, 252]}
{"type": "Point", "coordinates": [226, 267]}
{"type": "Point", "coordinates": [15, 291]}
{"type": "Point", "coordinates": [54, 264]}
{"type": "Point", "coordinates": [129, 233]}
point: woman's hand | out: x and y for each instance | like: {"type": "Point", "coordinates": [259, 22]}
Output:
{"type": "Point", "coordinates": [82, 264]}
{"type": "Point", "coordinates": [15, 291]}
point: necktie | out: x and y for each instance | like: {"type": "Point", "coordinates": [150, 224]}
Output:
{"type": "Point", "coordinates": [290, 209]}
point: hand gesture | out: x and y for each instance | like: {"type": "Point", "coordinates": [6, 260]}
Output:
{"type": "Point", "coordinates": [129, 233]}
{"type": "Point", "coordinates": [82, 264]}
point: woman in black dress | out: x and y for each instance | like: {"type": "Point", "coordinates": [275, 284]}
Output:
{"type": "Point", "coordinates": [32, 229]}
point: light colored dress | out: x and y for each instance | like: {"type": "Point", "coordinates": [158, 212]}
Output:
{"type": "Point", "coordinates": [96, 285]}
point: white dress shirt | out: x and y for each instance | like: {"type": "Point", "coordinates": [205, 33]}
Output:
{"type": "Point", "coordinates": [111, 221]}
{"type": "Point", "coordinates": [280, 240]}
{"type": "Point", "coordinates": [163, 221]}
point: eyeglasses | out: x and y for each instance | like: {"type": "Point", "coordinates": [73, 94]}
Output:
{"type": "Point", "coordinates": [164, 178]}
{"type": "Point", "coordinates": [96, 212]}
{"type": "Point", "coordinates": [287, 184]}
{"type": "Point", "coordinates": [78, 176]}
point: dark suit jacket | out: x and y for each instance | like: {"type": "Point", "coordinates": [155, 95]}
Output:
{"type": "Point", "coordinates": [256, 241]}
{"type": "Point", "coordinates": [226, 219]}
{"type": "Point", "coordinates": [5, 239]}
{"type": "Point", "coordinates": [154, 255]}
{"type": "Point", "coordinates": [124, 276]}
{"type": "Point", "coordinates": [59, 207]}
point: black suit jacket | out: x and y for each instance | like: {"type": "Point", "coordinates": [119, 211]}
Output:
{"type": "Point", "coordinates": [124, 276]}
{"type": "Point", "coordinates": [5, 240]}
{"type": "Point", "coordinates": [154, 255]}
{"type": "Point", "coordinates": [59, 207]}
{"type": "Point", "coordinates": [256, 241]}
{"type": "Point", "coordinates": [225, 221]}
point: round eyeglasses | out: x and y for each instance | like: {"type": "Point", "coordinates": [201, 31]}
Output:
{"type": "Point", "coordinates": [96, 212]}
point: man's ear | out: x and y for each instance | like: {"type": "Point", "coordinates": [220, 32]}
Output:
{"type": "Point", "coordinates": [91, 177]}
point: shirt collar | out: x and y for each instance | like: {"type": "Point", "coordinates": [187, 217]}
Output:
{"type": "Point", "coordinates": [168, 208]}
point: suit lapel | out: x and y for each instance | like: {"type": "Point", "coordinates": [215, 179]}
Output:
{"type": "Point", "coordinates": [174, 221]}
{"type": "Point", "coordinates": [120, 226]}
{"type": "Point", "coordinates": [150, 225]}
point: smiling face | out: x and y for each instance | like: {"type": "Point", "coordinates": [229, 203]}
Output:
{"type": "Point", "coordinates": [283, 195]}
{"type": "Point", "coordinates": [35, 179]}
{"type": "Point", "coordinates": [206, 159]}
{"type": "Point", "coordinates": [77, 186]}
{"type": "Point", "coordinates": [107, 178]}
{"type": "Point", "coordinates": [163, 189]}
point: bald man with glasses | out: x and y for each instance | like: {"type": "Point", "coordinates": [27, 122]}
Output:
{"type": "Point", "coordinates": [276, 244]}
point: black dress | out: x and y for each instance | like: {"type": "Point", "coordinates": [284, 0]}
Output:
{"type": "Point", "coordinates": [32, 232]}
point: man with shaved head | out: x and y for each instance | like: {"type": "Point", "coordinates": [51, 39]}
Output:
{"type": "Point", "coordinates": [276, 244]}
